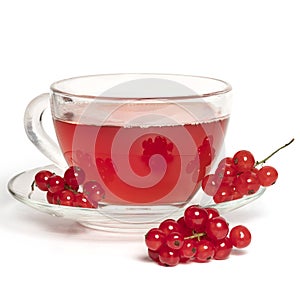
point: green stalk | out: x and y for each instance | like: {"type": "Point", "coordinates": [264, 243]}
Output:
{"type": "Point", "coordinates": [264, 160]}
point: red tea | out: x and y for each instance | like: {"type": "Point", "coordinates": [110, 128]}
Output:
{"type": "Point", "coordinates": [142, 165]}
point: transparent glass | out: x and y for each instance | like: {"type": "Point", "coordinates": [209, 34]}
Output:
{"type": "Point", "coordinates": [105, 217]}
{"type": "Point", "coordinates": [148, 139]}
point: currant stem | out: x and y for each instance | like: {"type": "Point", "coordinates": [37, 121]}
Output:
{"type": "Point", "coordinates": [67, 187]}
{"type": "Point", "coordinates": [32, 186]}
{"type": "Point", "coordinates": [264, 160]}
{"type": "Point", "coordinates": [195, 235]}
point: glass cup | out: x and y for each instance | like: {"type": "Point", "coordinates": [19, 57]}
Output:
{"type": "Point", "coordinates": [147, 139]}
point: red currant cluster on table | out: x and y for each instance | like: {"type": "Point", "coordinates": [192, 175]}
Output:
{"type": "Point", "coordinates": [200, 235]}
{"type": "Point", "coordinates": [65, 190]}
{"type": "Point", "coordinates": [238, 176]}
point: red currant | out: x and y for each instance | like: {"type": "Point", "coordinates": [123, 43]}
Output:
{"type": "Point", "coordinates": [212, 212]}
{"type": "Point", "coordinates": [160, 145]}
{"type": "Point", "coordinates": [91, 186]}
{"type": "Point", "coordinates": [217, 228]}
{"type": "Point", "coordinates": [222, 248]}
{"type": "Point", "coordinates": [235, 194]}
{"type": "Point", "coordinates": [184, 229]}
{"type": "Point", "coordinates": [56, 184]}
{"type": "Point", "coordinates": [41, 179]}
{"type": "Point", "coordinates": [74, 176]}
{"type": "Point", "coordinates": [224, 193]}
{"type": "Point", "coordinates": [52, 197]}
{"type": "Point", "coordinates": [154, 238]}
{"type": "Point", "coordinates": [153, 255]}
{"type": "Point", "coordinates": [247, 183]}
{"type": "Point", "coordinates": [226, 171]}
{"type": "Point", "coordinates": [210, 184]}
{"type": "Point", "coordinates": [267, 175]}
{"type": "Point", "coordinates": [168, 256]}
{"type": "Point", "coordinates": [226, 161]}
{"type": "Point", "coordinates": [205, 251]}
{"type": "Point", "coordinates": [169, 225]}
{"type": "Point", "coordinates": [168, 247]}
{"type": "Point", "coordinates": [188, 249]}
{"type": "Point", "coordinates": [195, 217]}
{"type": "Point", "coordinates": [82, 201]}
{"type": "Point", "coordinates": [243, 160]}
{"type": "Point", "coordinates": [175, 240]}
{"type": "Point", "coordinates": [65, 197]}
{"type": "Point", "coordinates": [240, 236]}
{"type": "Point", "coordinates": [94, 191]}
{"type": "Point", "coordinates": [206, 152]}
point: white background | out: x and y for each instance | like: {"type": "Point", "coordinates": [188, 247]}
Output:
{"type": "Point", "coordinates": [254, 45]}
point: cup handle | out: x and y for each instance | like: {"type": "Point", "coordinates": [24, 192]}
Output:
{"type": "Point", "coordinates": [33, 118]}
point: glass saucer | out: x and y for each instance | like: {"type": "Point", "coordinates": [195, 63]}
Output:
{"type": "Point", "coordinates": [114, 218]}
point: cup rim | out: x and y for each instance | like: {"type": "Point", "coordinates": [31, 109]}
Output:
{"type": "Point", "coordinates": [54, 87]}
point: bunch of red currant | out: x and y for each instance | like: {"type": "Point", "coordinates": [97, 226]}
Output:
{"type": "Point", "coordinates": [158, 145]}
{"type": "Point", "coordinates": [200, 235]}
{"type": "Point", "coordinates": [239, 176]}
{"type": "Point", "coordinates": [65, 190]}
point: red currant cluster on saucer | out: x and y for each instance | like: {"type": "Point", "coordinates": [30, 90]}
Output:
{"type": "Point", "coordinates": [200, 235]}
{"type": "Point", "coordinates": [65, 190]}
{"type": "Point", "coordinates": [238, 176]}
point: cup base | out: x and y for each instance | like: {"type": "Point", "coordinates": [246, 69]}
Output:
{"type": "Point", "coordinates": [116, 218]}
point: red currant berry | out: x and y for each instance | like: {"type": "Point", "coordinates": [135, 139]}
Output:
{"type": "Point", "coordinates": [65, 197]}
{"type": "Point", "coordinates": [186, 231]}
{"type": "Point", "coordinates": [267, 175]}
{"type": "Point", "coordinates": [94, 191]}
{"type": "Point", "coordinates": [222, 248]}
{"type": "Point", "coordinates": [168, 257]}
{"type": "Point", "coordinates": [155, 238]}
{"type": "Point", "coordinates": [223, 194]}
{"type": "Point", "coordinates": [160, 145]}
{"type": "Point", "coordinates": [210, 184]}
{"type": "Point", "coordinates": [91, 186]}
{"type": "Point", "coordinates": [95, 197]}
{"type": "Point", "coordinates": [184, 259]}
{"type": "Point", "coordinates": [153, 255]}
{"type": "Point", "coordinates": [169, 225]}
{"type": "Point", "coordinates": [41, 179]}
{"type": "Point", "coordinates": [212, 212]}
{"type": "Point", "coordinates": [56, 184]}
{"type": "Point", "coordinates": [188, 249]}
{"type": "Point", "coordinates": [82, 201]}
{"type": "Point", "coordinates": [235, 194]}
{"type": "Point", "coordinates": [217, 228]}
{"type": "Point", "coordinates": [74, 176]}
{"type": "Point", "coordinates": [199, 174]}
{"type": "Point", "coordinates": [175, 240]}
{"type": "Point", "coordinates": [226, 173]}
{"type": "Point", "coordinates": [226, 161]}
{"type": "Point", "coordinates": [243, 160]}
{"type": "Point", "coordinates": [195, 217]}
{"type": "Point", "coordinates": [206, 152]}
{"type": "Point", "coordinates": [247, 183]}
{"type": "Point", "coordinates": [52, 198]}
{"type": "Point", "coordinates": [205, 251]}
{"type": "Point", "coordinates": [240, 236]}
